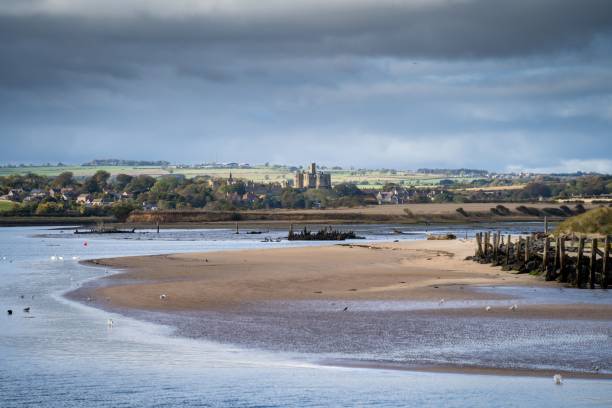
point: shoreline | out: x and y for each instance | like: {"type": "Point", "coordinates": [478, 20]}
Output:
{"type": "Point", "coordinates": [464, 369]}
{"type": "Point", "coordinates": [401, 214]}
{"type": "Point", "coordinates": [235, 285]}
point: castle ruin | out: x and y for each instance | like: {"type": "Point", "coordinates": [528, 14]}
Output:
{"type": "Point", "coordinates": [311, 178]}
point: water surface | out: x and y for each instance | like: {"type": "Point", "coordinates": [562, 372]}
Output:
{"type": "Point", "coordinates": [63, 354]}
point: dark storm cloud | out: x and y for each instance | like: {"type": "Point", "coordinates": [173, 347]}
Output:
{"type": "Point", "coordinates": [36, 44]}
{"type": "Point", "coordinates": [369, 82]}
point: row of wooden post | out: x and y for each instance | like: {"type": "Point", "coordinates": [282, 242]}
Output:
{"type": "Point", "coordinates": [488, 247]}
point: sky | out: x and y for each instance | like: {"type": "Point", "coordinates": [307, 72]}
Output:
{"type": "Point", "coordinates": [492, 84]}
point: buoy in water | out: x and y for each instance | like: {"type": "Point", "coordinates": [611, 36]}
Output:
{"type": "Point", "coordinates": [9, 312]}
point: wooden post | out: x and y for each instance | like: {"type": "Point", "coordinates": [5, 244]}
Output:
{"type": "Point", "coordinates": [546, 225]}
{"type": "Point", "coordinates": [593, 263]}
{"type": "Point", "coordinates": [479, 244]}
{"type": "Point", "coordinates": [509, 242]}
{"type": "Point", "coordinates": [604, 270]}
{"type": "Point", "coordinates": [495, 243]}
{"type": "Point", "coordinates": [237, 231]}
{"type": "Point", "coordinates": [486, 243]}
{"type": "Point", "coordinates": [158, 226]}
{"type": "Point", "coordinates": [517, 253]}
{"type": "Point", "coordinates": [579, 262]}
{"type": "Point", "coordinates": [553, 273]}
{"type": "Point", "coordinates": [545, 255]}
{"type": "Point", "coordinates": [562, 269]}
{"type": "Point", "coordinates": [527, 241]}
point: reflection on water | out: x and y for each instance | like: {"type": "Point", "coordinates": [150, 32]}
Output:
{"type": "Point", "coordinates": [64, 354]}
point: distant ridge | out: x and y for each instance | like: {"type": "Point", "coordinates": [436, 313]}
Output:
{"type": "Point", "coordinates": [117, 162]}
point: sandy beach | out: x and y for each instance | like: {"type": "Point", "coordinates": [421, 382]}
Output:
{"type": "Point", "coordinates": [415, 271]}
{"type": "Point", "coordinates": [365, 299]}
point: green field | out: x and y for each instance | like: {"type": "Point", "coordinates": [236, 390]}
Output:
{"type": "Point", "coordinates": [5, 205]}
{"type": "Point", "coordinates": [372, 179]}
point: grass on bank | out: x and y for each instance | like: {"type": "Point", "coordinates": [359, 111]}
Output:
{"type": "Point", "coordinates": [5, 205]}
{"type": "Point", "coordinates": [596, 221]}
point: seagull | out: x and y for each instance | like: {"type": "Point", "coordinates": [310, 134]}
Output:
{"type": "Point", "coordinates": [26, 309]}
{"type": "Point", "coordinates": [345, 309]}
{"type": "Point", "coordinates": [162, 296]}
{"type": "Point", "coordinates": [558, 379]}
{"type": "Point", "coordinates": [488, 308]}
{"type": "Point", "coordinates": [109, 322]}
{"type": "Point", "coordinates": [61, 258]}
{"type": "Point", "coordinates": [514, 307]}
{"type": "Point", "coordinates": [441, 301]}
{"type": "Point", "coordinates": [53, 258]}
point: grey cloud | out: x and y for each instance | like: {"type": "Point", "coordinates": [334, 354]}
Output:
{"type": "Point", "coordinates": [371, 83]}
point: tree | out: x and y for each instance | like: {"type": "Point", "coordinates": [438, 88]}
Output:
{"type": "Point", "coordinates": [122, 180]}
{"type": "Point", "coordinates": [97, 182]}
{"type": "Point", "coordinates": [140, 184]}
{"type": "Point", "coordinates": [290, 198]}
{"type": "Point", "coordinates": [536, 190]}
{"type": "Point", "coordinates": [347, 190]}
{"type": "Point", "coordinates": [101, 177]}
{"type": "Point", "coordinates": [64, 179]}
{"type": "Point", "coordinates": [122, 209]}
{"type": "Point", "coordinates": [49, 208]}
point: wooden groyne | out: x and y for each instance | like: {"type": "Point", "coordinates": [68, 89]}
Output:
{"type": "Point", "coordinates": [576, 261]}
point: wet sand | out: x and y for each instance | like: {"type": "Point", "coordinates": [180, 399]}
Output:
{"type": "Point", "coordinates": [269, 298]}
{"type": "Point", "coordinates": [416, 270]}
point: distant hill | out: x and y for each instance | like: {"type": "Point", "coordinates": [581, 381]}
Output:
{"type": "Point", "coordinates": [117, 162]}
{"type": "Point", "coordinates": [595, 221]}
{"type": "Point", "coordinates": [453, 171]}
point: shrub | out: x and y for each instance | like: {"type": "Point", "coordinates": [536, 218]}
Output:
{"type": "Point", "coordinates": [566, 210]}
{"type": "Point", "coordinates": [532, 211]}
{"type": "Point", "coordinates": [553, 211]}
{"type": "Point", "coordinates": [502, 210]}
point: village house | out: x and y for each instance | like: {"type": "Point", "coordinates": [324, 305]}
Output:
{"type": "Point", "coordinates": [68, 193]}
{"type": "Point", "coordinates": [14, 195]}
{"type": "Point", "coordinates": [387, 197]}
{"type": "Point", "coordinates": [249, 197]}
{"type": "Point", "coordinates": [84, 199]}
{"type": "Point", "coordinates": [149, 206]}
{"type": "Point", "coordinates": [108, 199]}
